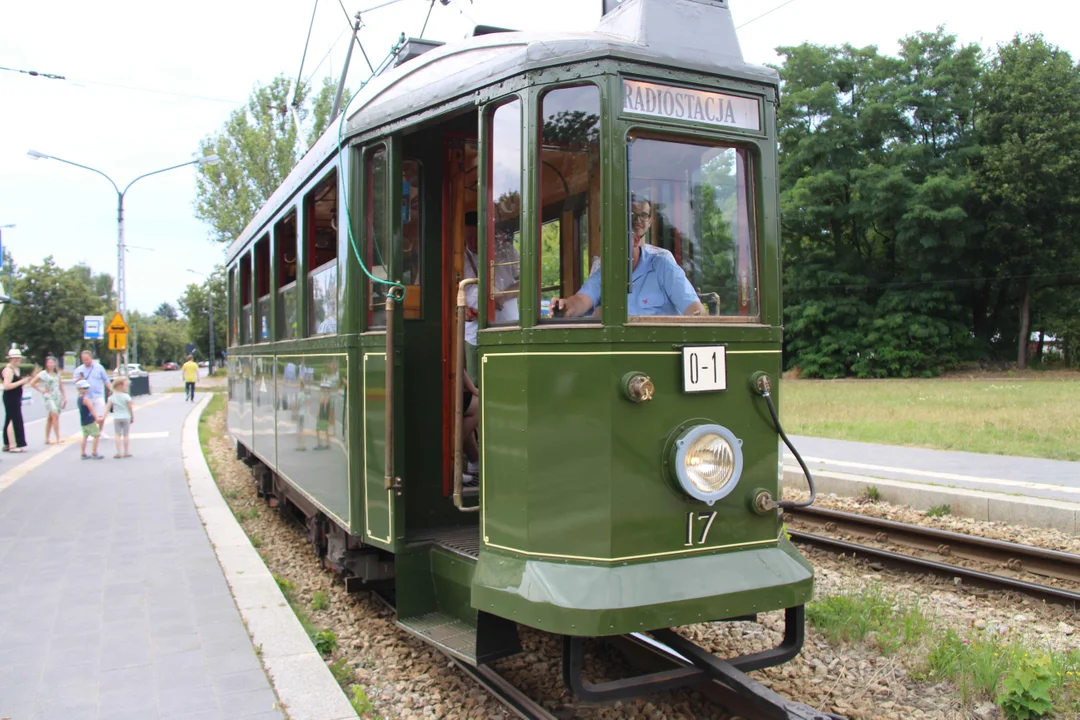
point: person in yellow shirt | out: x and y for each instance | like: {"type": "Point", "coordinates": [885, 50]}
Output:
{"type": "Point", "coordinates": [191, 374]}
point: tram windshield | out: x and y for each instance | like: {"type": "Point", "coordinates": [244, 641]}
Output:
{"type": "Point", "coordinates": [691, 244]}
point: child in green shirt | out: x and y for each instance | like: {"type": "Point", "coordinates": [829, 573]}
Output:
{"type": "Point", "coordinates": [123, 411]}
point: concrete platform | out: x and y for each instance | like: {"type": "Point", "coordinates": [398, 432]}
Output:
{"type": "Point", "coordinates": [112, 602]}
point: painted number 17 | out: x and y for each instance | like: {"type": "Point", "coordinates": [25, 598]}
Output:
{"type": "Point", "coordinates": [705, 520]}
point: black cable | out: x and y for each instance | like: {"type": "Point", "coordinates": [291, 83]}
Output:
{"type": "Point", "coordinates": [359, 44]}
{"type": "Point", "coordinates": [300, 72]}
{"type": "Point", "coordinates": [764, 14]}
{"type": "Point", "coordinates": [788, 504]}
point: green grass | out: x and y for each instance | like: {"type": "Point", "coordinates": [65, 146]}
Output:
{"type": "Point", "coordinates": [320, 600]}
{"type": "Point", "coordinates": [854, 617]}
{"type": "Point", "coordinates": [1030, 418]}
{"type": "Point", "coordinates": [983, 665]}
{"type": "Point", "coordinates": [939, 511]}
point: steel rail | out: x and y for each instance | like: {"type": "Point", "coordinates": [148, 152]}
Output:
{"type": "Point", "coordinates": [1014, 556]}
{"type": "Point", "coordinates": [909, 562]}
{"type": "Point", "coordinates": [505, 692]}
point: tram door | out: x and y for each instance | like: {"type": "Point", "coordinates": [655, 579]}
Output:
{"type": "Point", "coordinates": [460, 202]}
{"type": "Point", "coordinates": [382, 413]}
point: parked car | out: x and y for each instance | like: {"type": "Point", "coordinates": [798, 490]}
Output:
{"type": "Point", "coordinates": [170, 366]}
{"type": "Point", "coordinates": [135, 370]}
{"type": "Point", "coordinates": [204, 363]}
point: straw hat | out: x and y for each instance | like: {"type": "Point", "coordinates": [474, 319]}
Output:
{"type": "Point", "coordinates": [14, 352]}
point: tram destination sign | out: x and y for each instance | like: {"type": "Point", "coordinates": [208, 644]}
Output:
{"type": "Point", "coordinates": [678, 103]}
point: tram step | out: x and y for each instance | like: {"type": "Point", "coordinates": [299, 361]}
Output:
{"type": "Point", "coordinates": [453, 636]}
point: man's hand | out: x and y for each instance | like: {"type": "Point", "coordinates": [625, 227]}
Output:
{"type": "Point", "coordinates": [471, 314]}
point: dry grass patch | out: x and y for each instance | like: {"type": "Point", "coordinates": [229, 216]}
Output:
{"type": "Point", "coordinates": [1030, 418]}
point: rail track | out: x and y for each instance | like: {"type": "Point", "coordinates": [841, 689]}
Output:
{"type": "Point", "coordinates": [1013, 557]}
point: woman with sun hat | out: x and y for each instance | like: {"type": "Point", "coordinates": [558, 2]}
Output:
{"type": "Point", "coordinates": [13, 390]}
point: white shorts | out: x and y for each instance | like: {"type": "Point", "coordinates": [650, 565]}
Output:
{"type": "Point", "coordinates": [99, 405]}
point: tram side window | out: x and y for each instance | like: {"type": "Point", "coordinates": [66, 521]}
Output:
{"type": "Point", "coordinates": [411, 228]}
{"type": "Point", "coordinates": [321, 211]}
{"type": "Point", "coordinates": [288, 317]}
{"type": "Point", "coordinates": [504, 215]}
{"type": "Point", "coordinates": [233, 320]}
{"type": "Point", "coordinates": [378, 246]}
{"type": "Point", "coordinates": [262, 290]}
{"type": "Point", "coordinates": [245, 299]}
{"type": "Point", "coordinates": [569, 238]}
{"type": "Point", "coordinates": [692, 238]}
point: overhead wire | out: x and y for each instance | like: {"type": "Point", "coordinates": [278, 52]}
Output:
{"type": "Point", "coordinates": [426, 18]}
{"type": "Point", "coordinates": [35, 73]}
{"type": "Point", "coordinates": [767, 12]}
{"type": "Point", "coordinates": [82, 81]}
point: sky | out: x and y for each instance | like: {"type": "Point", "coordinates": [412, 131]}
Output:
{"type": "Point", "coordinates": [187, 66]}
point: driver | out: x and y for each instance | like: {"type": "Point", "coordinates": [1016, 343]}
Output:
{"type": "Point", "coordinates": [658, 286]}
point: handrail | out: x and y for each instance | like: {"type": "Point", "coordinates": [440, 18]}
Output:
{"type": "Point", "coordinates": [390, 481]}
{"type": "Point", "coordinates": [459, 399]}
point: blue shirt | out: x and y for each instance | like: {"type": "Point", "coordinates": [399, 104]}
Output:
{"type": "Point", "coordinates": [95, 375]}
{"type": "Point", "coordinates": [658, 286]}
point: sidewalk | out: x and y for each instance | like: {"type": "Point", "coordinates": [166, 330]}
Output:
{"type": "Point", "coordinates": [112, 602]}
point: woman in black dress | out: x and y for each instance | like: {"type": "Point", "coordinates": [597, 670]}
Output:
{"type": "Point", "coordinates": [13, 389]}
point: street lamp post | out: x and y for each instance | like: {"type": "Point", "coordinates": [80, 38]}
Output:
{"type": "Point", "coordinates": [121, 278]}
{"type": "Point", "coordinates": [210, 297]}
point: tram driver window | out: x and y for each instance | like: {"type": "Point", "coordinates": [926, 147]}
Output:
{"type": "Point", "coordinates": [288, 317]}
{"type": "Point", "coordinates": [569, 238]}
{"type": "Point", "coordinates": [691, 244]}
{"type": "Point", "coordinates": [410, 236]}
{"type": "Point", "coordinates": [262, 290]}
{"type": "Point", "coordinates": [245, 299]}
{"type": "Point", "coordinates": [321, 211]}
{"type": "Point", "coordinates": [234, 322]}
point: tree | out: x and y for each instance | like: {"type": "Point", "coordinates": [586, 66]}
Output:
{"type": "Point", "coordinates": [1030, 122]}
{"type": "Point", "coordinates": [49, 316]}
{"type": "Point", "coordinates": [195, 306]}
{"type": "Point", "coordinates": [258, 146]}
{"type": "Point", "coordinates": [167, 312]}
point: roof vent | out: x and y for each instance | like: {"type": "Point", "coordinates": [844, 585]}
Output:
{"type": "Point", "coordinates": [661, 25]}
{"type": "Point", "coordinates": [489, 30]}
{"type": "Point", "coordinates": [414, 48]}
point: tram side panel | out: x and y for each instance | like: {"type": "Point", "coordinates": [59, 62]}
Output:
{"type": "Point", "coordinates": [311, 421]}
{"type": "Point", "coordinates": [238, 417]}
{"type": "Point", "coordinates": [262, 409]}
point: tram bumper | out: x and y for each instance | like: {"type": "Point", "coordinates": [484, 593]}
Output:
{"type": "Point", "coordinates": [588, 599]}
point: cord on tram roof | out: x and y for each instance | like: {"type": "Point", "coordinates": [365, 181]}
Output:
{"type": "Point", "coordinates": [767, 12]}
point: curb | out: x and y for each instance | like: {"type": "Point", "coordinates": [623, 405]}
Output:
{"type": "Point", "coordinates": [299, 675]}
{"type": "Point", "coordinates": [974, 504]}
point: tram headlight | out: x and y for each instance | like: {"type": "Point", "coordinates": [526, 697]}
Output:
{"type": "Point", "coordinates": [707, 460]}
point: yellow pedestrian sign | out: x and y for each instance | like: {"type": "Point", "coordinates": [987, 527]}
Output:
{"type": "Point", "coordinates": [117, 325]}
{"type": "Point", "coordinates": [117, 341]}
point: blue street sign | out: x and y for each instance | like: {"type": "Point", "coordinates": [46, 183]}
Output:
{"type": "Point", "coordinates": [93, 327]}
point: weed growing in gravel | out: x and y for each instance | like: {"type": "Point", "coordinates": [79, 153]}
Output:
{"type": "Point", "coordinates": [360, 701]}
{"type": "Point", "coordinates": [256, 540]}
{"type": "Point", "coordinates": [320, 600]}
{"type": "Point", "coordinates": [1026, 692]}
{"type": "Point", "coordinates": [871, 493]}
{"type": "Point", "coordinates": [975, 664]}
{"type": "Point", "coordinates": [852, 617]}
{"type": "Point", "coordinates": [246, 514]}
{"type": "Point", "coordinates": [939, 511]}
{"type": "Point", "coordinates": [287, 586]}
{"type": "Point", "coordinates": [231, 494]}
{"type": "Point", "coordinates": [325, 642]}
{"type": "Point", "coordinates": [341, 671]}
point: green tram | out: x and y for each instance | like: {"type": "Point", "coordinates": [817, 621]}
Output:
{"type": "Point", "coordinates": [623, 188]}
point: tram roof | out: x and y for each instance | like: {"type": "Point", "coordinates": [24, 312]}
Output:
{"type": "Point", "coordinates": [651, 32]}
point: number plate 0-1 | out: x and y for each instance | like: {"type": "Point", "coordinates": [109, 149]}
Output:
{"type": "Point", "coordinates": [704, 368]}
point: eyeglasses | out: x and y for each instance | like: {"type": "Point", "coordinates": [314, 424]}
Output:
{"type": "Point", "coordinates": [641, 215]}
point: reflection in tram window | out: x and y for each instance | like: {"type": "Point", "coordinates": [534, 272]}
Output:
{"type": "Point", "coordinates": [504, 216]}
{"type": "Point", "coordinates": [378, 247]}
{"type": "Point", "coordinates": [285, 248]}
{"type": "Point", "coordinates": [569, 237]}
{"type": "Point", "coordinates": [234, 317]}
{"type": "Point", "coordinates": [692, 239]}
{"type": "Point", "coordinates": [411, 228]}
{"type": "Point", "coordinates": [262, 289]}
{"type": "Point", "coordinates": [245, 299]}
{"type": "Point", "coordinates": [321, 210]}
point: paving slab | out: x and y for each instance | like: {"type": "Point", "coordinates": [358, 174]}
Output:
{"type": "Point", "coordinates": [113, 603]}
